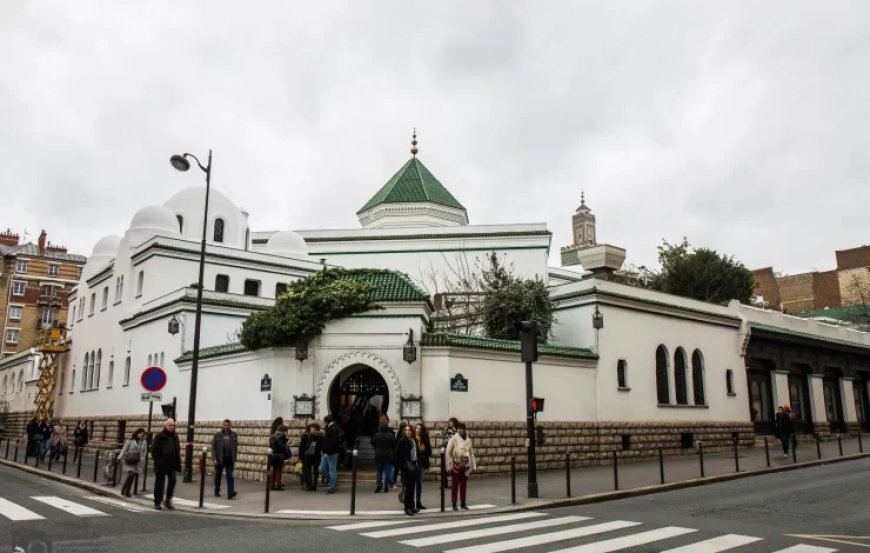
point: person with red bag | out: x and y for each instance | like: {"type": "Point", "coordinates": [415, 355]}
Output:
{"type": "Point", "coordinates": [460, 463]}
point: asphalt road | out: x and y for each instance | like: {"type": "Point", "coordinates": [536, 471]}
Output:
{"type": "Point", "coordinates": [753, 515]}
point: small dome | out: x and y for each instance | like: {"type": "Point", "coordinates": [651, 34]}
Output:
{"type": "Point", "coordinates": [107, 246]}
{"type": "Point", "coordinates": [188, 205]}
{"type": "Point", "coordinates": [155, 217]}
{"type": "Point", "coordinates": [287, 243]}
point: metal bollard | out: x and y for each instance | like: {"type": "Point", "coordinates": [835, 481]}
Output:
{"type": "Point", "coordinates": [353, 483]}
{"type": "Point", "coordinates": [15, 459]}
{"type": "Point", "coordinates": [767, 451]}
{"type": "Point", "coordinates": [513, 479]}
{"type": "Point", "coordinates": [145, 468]}
{"type": "Point", "coordinates": [63, 471]}
{"type": "Point", "coordinates": [818, 446]}
{"type": "Point", "coordinates": [202, 476]}
{"type": "Point", "coordinates": [96, 465]}
{"type": "Point", "coordinates": [38, 455]}
{"type": "Point", "coordinates": [701, 456]}
{"type": "Point", "coordinates": [135, 484]}
{"type": "Point", "coordinates": [661, 465]}
{"type": "Point", "coordinates": [860, 442]}
{"type": "Point", "coordinates": [568, 473]}
{"type": "Point", "coordinates": [443, 475]}
{"type": "Point", "coordinates": [615, 472]}
{"type": "Point", "coordinates": [268, 477]}
{"type": "Point", "coordinates": [50, 459]}
{"type": "Point", "coordinates": [80, 457]}
{"type": "Point", "coordinates": [115, 463]}
{"type": "Point", "coordinates": [736, 457]}
{"type": "Point", "coordinates": [26, 453]}
{"type": "Point", "coordinates": [794, 451]}
{"type": "Point", "coordinates": [10, 441]}
{"type": "Point", "coordinates": [840, 443]}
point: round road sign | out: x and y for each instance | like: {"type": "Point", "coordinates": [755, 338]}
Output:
{"type": "Point", "coordinates": [153, 379]}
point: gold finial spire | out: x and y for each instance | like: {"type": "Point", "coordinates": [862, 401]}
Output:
{"type": "Point", "coordinates": [414, 142]}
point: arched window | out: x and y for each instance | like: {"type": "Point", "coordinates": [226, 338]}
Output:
{"type": "Point", "coordinates": [97, 369]}
{"type": "Point", "coordinates": [681, 391]}
{"type": "Point", "coordinates": [161, 359]}
{"type": "Point", "coordinates": [85, 371]}
{"type": "Point", "coordinates": [140, 283]}
{"type": "Point", "coordinates": [180, 223]}
{"type": "Point", "coordinates": [127, 371]}
{"type": "Point", "coordinates": [72, 382]}
{"type": "Point", "coordinates": [621, 376]}
{"type": "Point", "coordinates": [5, 383]}
{"type": "Point", "coordinates": [21, 381]}
{"type": "Point", "coordinates": [662, 388]}
{"type": "Point", "coordinates": [729, 381]}
{"type": "Point", "coordinates": [218, 230]}
{"type": "Point", "coordinates": [111, 373]}
{"type": "Point", "coordinates": [698, 377]}
{"type": "Point", "coordinates": [117, 289]}
{"type": "Point", "coordinates": [121, 290]}
{"type": "Point", "coordinates": [149, 360]}
{"type": "Point", "coordinates": [61, 383]}
{"type": "Point", "coordinates": [91, 366]}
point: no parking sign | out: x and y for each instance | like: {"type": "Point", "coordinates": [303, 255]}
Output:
{"type": "Point", "coordinates": [153, 379]}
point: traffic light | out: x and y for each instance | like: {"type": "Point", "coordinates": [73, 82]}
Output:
{"type": "Point", "coordinates": [528, 340]}
{"type": "Point", "coordinates": [536, 405]}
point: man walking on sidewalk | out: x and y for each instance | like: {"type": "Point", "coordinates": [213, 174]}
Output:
{"type": "Point", "coordinates": [166, 452]}
{"type": "Point", "coordinates": [331, 448]}
{"type": "Point", "coordinates": [224, 447]}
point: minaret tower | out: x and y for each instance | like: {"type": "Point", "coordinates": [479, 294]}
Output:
{"type": "Point", "coordinates": [583, 223]}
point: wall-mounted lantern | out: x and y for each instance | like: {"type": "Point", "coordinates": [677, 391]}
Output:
{"type": "Point", "coordinates": [409, 350]}
{"type": "Point", "coordinates": [174, 325]}
{"type": "Point", "coordinates": [597, 319]}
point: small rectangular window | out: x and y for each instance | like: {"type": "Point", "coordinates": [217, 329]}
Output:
{"type": "Point", "coordinates": [47, 316]}
{"type": "Point", "coordinates": [222, 283]}
{"type": "Point", "coordinates": [15, 313]}
{"type": "Point", "coordinates": [53, 270]}
{"type": "Point", "coordinates": [729, 381]}
{"type": "Point", "coordinates": [620, 374]}
{"type": "Point", "coordinates": [18, 287]}
{"type": "Point", "coordinates": [105, 301]}
{"type": "Point", "coordinates": [21, 266]}
{"type": "Point", "coordinates": [93, 304]}
{"type": "Point", "coordinates": [12, 335]}
{"type": "Point", "coordinates": [280, 288]}
{"type": "Point", "coordinates": [252, 287]}
{"type": "Point", "coordinates": [626, 442]}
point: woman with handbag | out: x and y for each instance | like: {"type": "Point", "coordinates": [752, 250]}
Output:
{"type": "Point", "coordinates": [58, 441]}
{"type": "Point", "coordinates": [406, 460]}
{"type": "Point", "coordinates": [133, 457]}
{"type": "Point", "coordinates": [460, 462]}
{"type": "Point", "coordinates": [309, 452]}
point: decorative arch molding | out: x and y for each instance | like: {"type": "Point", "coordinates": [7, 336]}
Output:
{"type": "Point", "coordinates": [357, 358]}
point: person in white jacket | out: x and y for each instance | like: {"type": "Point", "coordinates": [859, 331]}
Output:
{"type": "Point", "coordinates": [460, 463]}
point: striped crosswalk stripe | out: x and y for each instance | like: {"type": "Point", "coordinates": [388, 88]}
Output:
{"type": "Point", "coordinates": [16, 512]}
{"type": "Point", "coordinates": [452, 525]}
{"type": "Point", "coordinates": [720, 543]}
{"type": "Point", "coordinates": [486, 532]}
{"type": "Point", "coordinates": [632, 540]}
{"type": "Point", "coordinates": [804, 548]}
{"type": "Point", "coordinates": [530, 541]}
{"type": "Point", "coordinates": [70, 507]}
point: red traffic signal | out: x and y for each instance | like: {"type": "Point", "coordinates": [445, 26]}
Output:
{"type": "Point", "coordinates": [536, 405]}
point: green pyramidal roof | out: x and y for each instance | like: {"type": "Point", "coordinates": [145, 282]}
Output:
{"type": "Point", "coordinates": [413, 183]}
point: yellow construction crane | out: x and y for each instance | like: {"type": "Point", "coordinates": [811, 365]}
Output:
{"type": "Point", "coordinates": [50, 343]}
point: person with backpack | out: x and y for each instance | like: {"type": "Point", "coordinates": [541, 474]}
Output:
{"type": "Point", "coordinates": [448, 433]}
{"type": "Point", "coordinates": [331, 448]}
{"type": "Point", "coordinates": [224, 450]}
{"type": "Point", "coordinates": [132, 458]}
{"type": "Point", "coordinates": [310, 450]}
{"type": "Point", "coordinates": [33, 437]}
{"type": "Point", "coordinates": [384, 443]}
{"type": "Point", "coordinates": [280, 454]}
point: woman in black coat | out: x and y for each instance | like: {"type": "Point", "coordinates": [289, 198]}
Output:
{"type": "Point", "coordinates": [424, 454]}
{"type": "Point", "coordinates": [309, 451]}
{"type": "Point", "coordinates": [406, 460]}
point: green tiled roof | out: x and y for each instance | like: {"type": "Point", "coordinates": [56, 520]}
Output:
{"type": "Point", "coordinates": [388, 285]}
{"type": "Point", "coordinates": [413, 183]}
{"type": "Point", "coordinates": [213, 351]}
{"type": "Point", "coordinates": [841, 313]}
{"type": "Point", "coordinates": [433, 339]}
{"type": "Point", "coordinates": [807, 335]}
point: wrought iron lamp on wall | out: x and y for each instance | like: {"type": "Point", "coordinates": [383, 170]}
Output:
{"type": "Point", "coordinates": [409, 350]}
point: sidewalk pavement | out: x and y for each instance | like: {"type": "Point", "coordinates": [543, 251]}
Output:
{"type": "Point", "coordinates": [587, 484]}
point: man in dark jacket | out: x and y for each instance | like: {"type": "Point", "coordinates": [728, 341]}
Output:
{"type": "Point", "coordinates": [166, 452]}
{"type": "Point", "coordinates": [331, 447]}
{"type": "Point", "coordinates": [224, 447]}
{"type": "Point", "coordinates": [384, 443]}
{"type": "Point", "coordinates": [32, 433]}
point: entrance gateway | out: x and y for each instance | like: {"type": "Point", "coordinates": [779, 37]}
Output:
{"type": "Point", "coordinates": [357, 398]}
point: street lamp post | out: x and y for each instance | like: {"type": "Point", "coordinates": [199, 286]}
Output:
{"type": "Point", "coordinates": [181, 163]}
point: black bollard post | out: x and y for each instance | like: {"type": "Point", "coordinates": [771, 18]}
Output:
{"type": "Point", "coordinates": [15, 459]}
{"type": "Point", "coordinates": [10, 441]}
{"type": "Point", "coordinates": [26, 452]}
{"type": "Point", "coordinates": [353, 483]}
{"type": "Point", "coordinates": [202, 476]}
{"type": "Point", "coordinates": [701, 456]}
{"type": "Point", "coordinates": [79, 467]}
{"type": "Point", "coordinates": [840, 443]}
{"type": "Point", "coordinates": [63, 470]}
{"type": "Point", "coordinates": [36, 463]}
{"type": "Point", "coordinates": [443, 475]}
{"type": "Point", "coordinates": [513, 479]}
{"type": "Point", "coordinates": [794, 451]}
{"type": "Point", "coordinates": [115, 463]}
{"type": "Point", "coordinates": [615, 472]}
{"type": "Point", "coordinates": [818, 446]}
{"type": "Point", "coordinates": [135, 484]}
{"type": "Point", "coordinates": [860, 442]}
{"type": "Point", "coordinates": [50, 459]}
{"type": "Point", "coordinates": [96, 464]}
{"type": "Point", "coordinates": [661, 465]}
{"type": "Point", "coordinates": [767, 451]}
{"type": "Point", "coordinates": [568, 473]}
{"type": "Point", "coordinates": [268, 478]}
{"type": "Point", "coordinates": [736, 458]}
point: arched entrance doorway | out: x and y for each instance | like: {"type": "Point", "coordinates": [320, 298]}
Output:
{"type": "Point", "coordinates": [357, 397]}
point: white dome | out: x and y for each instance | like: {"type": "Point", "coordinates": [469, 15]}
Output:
{"type": "Point", "coordinates": [188, 204]}
{"type": "Point", "coordinates": [155, 217]}
{"type": "Point", "coordinates": [287, 243]}
{"type": "Point", "coordinates": [107, 246]}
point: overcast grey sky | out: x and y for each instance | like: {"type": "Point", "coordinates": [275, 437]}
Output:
{"type": "Point", "coordinates": [742, 125]}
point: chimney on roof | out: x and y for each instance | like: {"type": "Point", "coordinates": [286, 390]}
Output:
{"type": "Point", "coordinates": [42, 237]}
{"type": "Point", "coordinates": [55, 248]}
{"type": "Point", "coordinates": [8, 238]}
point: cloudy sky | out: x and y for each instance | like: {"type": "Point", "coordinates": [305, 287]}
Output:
{"type": "Point", "coordinates": [742, 125]}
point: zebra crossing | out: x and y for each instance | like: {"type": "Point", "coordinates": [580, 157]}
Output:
{"type": "Point", "coordinates": [40, 507]}
{"type": "Point", "coordinates": [491, 534]}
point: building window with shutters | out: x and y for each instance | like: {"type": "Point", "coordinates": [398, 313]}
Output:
{"type": "Point", "coordinates": [662, 387]}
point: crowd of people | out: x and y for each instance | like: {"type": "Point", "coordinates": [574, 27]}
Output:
{"type": "Point", "coordinates": [47, 438]}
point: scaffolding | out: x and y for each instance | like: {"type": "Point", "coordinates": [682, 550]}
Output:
{"type": "Point", "coordinates": [51, 343]}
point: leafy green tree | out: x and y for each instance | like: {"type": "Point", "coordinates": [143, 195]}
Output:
{"type": "Point", "coordinates": [702, 274]}
{"type": "Point", "coordinates": [509, 299]}
{"type": "Point", "coordinates": [303, 310]}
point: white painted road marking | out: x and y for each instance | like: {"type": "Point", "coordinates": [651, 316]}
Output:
{"type": "Point", "coordinates": [531, 541]}
{"type": "Point", "coordinates": [375, 513]}
{"type": "Point", "coordinates": [453, 524]}
{"type": "Point", "coordinates": [133, 508]}
{"type": "Point", "coordinates": [498, 530]}
{"type": "Point", "coordinates": [366, 525]}
{"type": "Point", "coordinates": [721, 543]}
{"type": "Point", "coordinates": [633, 540]}
{"type": "Point", "coordinates": [68, 506]}
{"type": "Point", "coordinates": [191, 503]}
{"type": "Point", "coordinates": [803, 548]}
{"type": "Point", "coordinates": [16, 512]}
